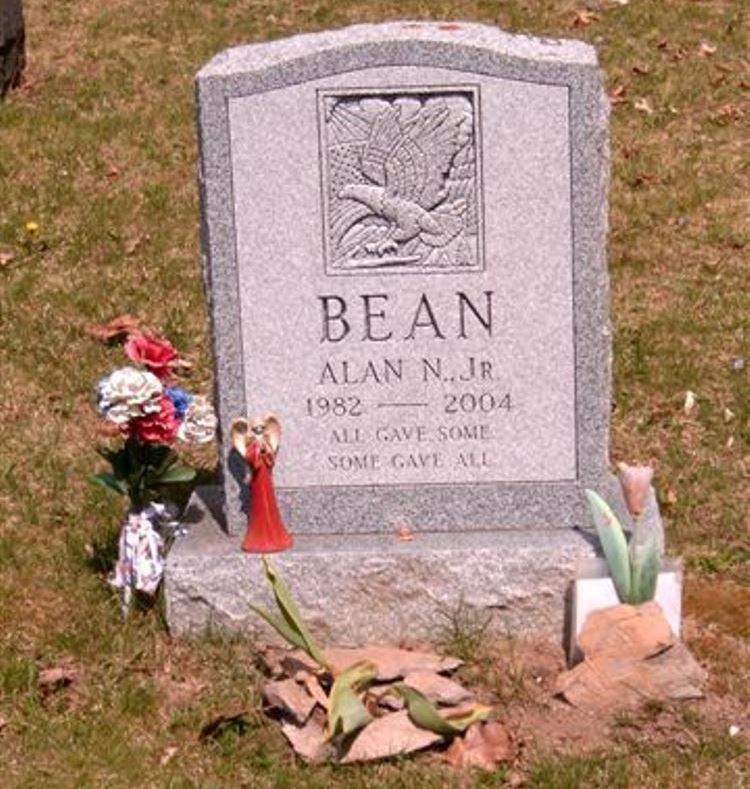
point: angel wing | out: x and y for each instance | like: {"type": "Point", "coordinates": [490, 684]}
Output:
{"type": "Point", "coordinates": [415, 157]}
{"type": "Point", "coordinates": [267, 427]}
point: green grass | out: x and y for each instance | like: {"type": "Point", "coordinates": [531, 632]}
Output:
{"type": "Point", "coordinates": [100, 152]}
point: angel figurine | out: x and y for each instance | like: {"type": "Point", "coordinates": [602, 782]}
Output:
{"type": "Point", "coordinates": [258, 442]}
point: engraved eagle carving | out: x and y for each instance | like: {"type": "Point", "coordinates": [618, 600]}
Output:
{"type": "Point", "coordinates": [409, 178]}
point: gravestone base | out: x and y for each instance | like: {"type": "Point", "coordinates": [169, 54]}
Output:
{"type": "Point", "coordinates": [354, 589]}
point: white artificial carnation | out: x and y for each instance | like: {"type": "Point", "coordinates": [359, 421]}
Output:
{"type": "Point", "coordinates": [199, 424]}
{"type": "Point", "coordinates": [129, 393]}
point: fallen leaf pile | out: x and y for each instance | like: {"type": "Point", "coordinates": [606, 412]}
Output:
{"type": "Point", "coordinates": [631, 656]}
{"type": "Point", "coordinates": [385, 691]}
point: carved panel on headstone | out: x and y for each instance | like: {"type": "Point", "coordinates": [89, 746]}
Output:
{"type": "Point", "coordinates": [400, 175]}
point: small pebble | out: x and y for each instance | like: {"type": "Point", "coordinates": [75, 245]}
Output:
{"type": "Point", "coordinates": [738, 363]}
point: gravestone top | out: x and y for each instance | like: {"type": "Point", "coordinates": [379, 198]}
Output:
{"type": "Point", "coordinates": [407, 34]}
{"type": "Point", "coordinates": [404, 250]}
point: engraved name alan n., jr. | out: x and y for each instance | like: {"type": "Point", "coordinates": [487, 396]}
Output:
{"type": "Point", "coordinates": [402, 182]}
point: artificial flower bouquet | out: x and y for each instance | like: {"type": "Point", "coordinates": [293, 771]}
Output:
{"type": "Point", "coordinates": [144, 405]}
{"type": "Point", "coordinates": [151, 413]}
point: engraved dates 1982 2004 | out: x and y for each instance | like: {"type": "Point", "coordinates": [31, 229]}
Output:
{"type": "Point", "coordinates": [458, 403]}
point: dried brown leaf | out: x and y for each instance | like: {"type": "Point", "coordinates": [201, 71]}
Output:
{"type": "Point", "coordinates": [3, 722]}
{"type": "Point", "coordinates": [641, 69]}
{"type": "Point", "coordinates": [169, 753]}
{"type": "Point", "coordinates": [309, 741]}
{"type": "Point", "coordinates": [313, 687]}
{"type": "Point", "coordinates": [113, 171]}
{"type": "Point", "coordinates": [288, 662]}
{"type": "Point", "coordinates": [117, 329]}
{"type": "Point", "coordinates": [438, 689]}
{"type": "Point", "coordinates": [391, 662]}
{"type": "Point", "coordinates": [728, 112]}
{"type": "Point", "coordinates": [680, 53]}
{"type": "Point", "coordinates": [179, 692]}
{"type": "Point", "coordinates": [642, 179]}
{"type": "Point", "coordinates": [705, 49]}
{"type": "Point", "coordinates": [289, 697]}
{"type": "Point", "coordinates": [484, 745]}
{"type": "Point", "coordinates": [584, 18]}
{"type": "Point", "coordinates": [135, 242]}
{"type": "Point", "coordinates": [57, 677]}
{"type": "Point", "coordinates": [617, 95]}
{"type": "Point", "coordinates": [643, 105]}
{"type": "Point", "coordinates": [391, 735]}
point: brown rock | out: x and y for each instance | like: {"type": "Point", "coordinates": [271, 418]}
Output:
{"type": "Point", "coordinates": [630, 657]}
{"type": "Point", "coordinates": [630, 631]}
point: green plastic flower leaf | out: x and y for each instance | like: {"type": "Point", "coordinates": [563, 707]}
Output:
{"type": "Point", "coordinates": [290, 625]}
{"type": "Point", "coordinates": [173, 475]}
{"type": "Point", "coordinates": [110, 481]}
{"type": "Point", "coordinates": [645, 561]}
{"type": "Point", "coordinates": [425, 715]}
{"type": "Point", "coordinates": [614, 544]}
{"type": "Point", "coordinates": [346, 711]}
{"type": "Point", "coordinates": [120, 461]}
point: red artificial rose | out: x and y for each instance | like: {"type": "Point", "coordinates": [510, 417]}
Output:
{"type": "Point", "coordinates": [156, 353]}
{"type": "Point", "coordinates": [157, 428]}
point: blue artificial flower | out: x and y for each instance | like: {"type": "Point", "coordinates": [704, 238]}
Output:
{"type": "Point", "coordinates": [180, 399]}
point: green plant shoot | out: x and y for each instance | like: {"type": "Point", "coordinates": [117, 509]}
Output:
{"type": "Point", "coordinates": [290, 625]}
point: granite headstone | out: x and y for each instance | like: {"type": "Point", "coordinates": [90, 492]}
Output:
{"type": "Point", "coordinates": [404, 251]}
{"type": "Point", "coordinates": [12, 44]}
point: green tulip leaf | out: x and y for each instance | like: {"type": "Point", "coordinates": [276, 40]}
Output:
{"type": "Point", "coordinates": [282, 628]}
{"type": "Point", "coordinates": [346, 711]}
{"type": "Point", "coordinates": [110, 481]}
{"type": "Point", "coordinates": [425, 715]}
{"type": "Point", "coordinates": [645, 562]}
{"type": "Point", "coordinates": [614, 544]}
{"type": "Point", "coordinates": [292, 626]}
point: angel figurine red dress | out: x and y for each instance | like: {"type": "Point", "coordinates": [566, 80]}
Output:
{"type": "Point", "coordinates": [258, 443]}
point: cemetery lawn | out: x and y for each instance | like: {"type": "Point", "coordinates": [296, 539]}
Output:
{"type": "Point", "coordinates": [97, 151]}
